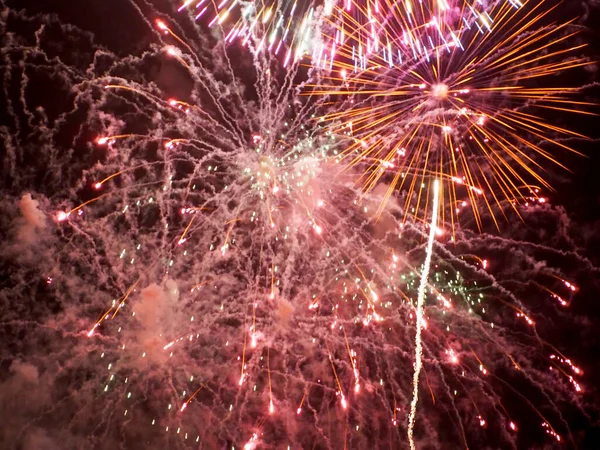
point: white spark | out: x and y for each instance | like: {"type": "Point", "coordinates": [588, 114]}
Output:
{"type": "Point", "coordinates": [420, 301]}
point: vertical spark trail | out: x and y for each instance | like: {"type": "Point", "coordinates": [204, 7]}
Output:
{"type": "Point", "coordinates": [420, 300]}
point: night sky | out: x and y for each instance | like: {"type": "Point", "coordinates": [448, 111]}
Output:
{"type": "Point", "coordinates": [192, 304]}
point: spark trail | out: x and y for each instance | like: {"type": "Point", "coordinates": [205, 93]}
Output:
{"type": "Point", "coordinates": [420, 301]}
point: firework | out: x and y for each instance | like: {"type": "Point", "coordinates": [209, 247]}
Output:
{"type": "Point", "coordinates": [370, 33]}
{"type": "Point", "coordinates": [286, 26]}
{"type": "Point", "coordinates": [224, 282]}
{"type": "Point", "coordinates": [419, 313]}
{"type": "Point", "coordinates": [459, 95]}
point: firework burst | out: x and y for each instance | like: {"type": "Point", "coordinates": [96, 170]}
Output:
{"type": "Point", "coordinates": [233, 288]}
{"type": "Point", "coordinates": [291, 27]}
{"type": "Point", "coordinates": [458, 95]}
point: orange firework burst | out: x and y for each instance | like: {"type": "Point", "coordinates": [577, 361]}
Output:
{"type": "Point", "coordinates": [457, 95]}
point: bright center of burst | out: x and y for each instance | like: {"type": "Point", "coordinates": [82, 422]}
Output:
{"type": "Point", "coordinates": [440, 90]}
